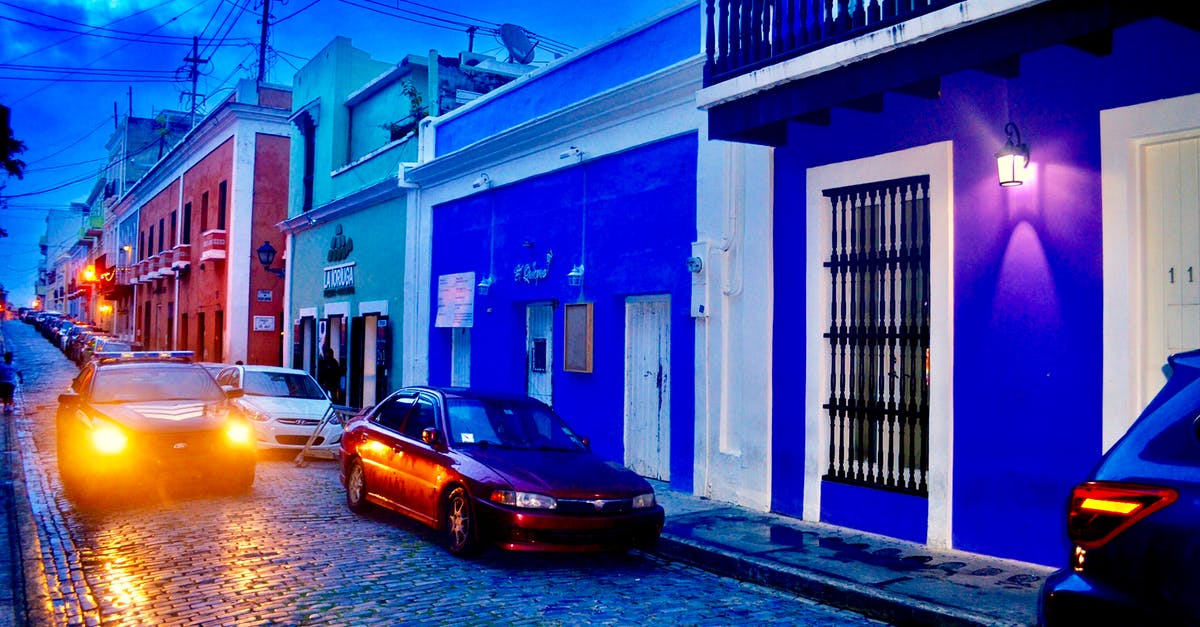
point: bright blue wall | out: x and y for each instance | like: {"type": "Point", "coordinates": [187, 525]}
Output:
{"type": "Point", "coordinates": [1027, 278]}
{"type": "Point", "coordinates": [670, 40]}
{"type": "Point", "coordinates": [842, 504]}
{"type": "Point", "coordinates": [641, 220]}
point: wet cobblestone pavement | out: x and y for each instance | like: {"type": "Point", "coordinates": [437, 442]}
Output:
{"type": "Point", "coordinates": [291, 553]}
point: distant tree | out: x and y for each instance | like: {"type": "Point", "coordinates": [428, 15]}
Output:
{"type": "Point", "coordinates": [10, 147]}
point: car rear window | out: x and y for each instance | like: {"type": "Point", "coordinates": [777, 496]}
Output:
{"type": "Point", "coordinates": [151, 382]}
{"type": "Point", "coordinates": [289, 384]}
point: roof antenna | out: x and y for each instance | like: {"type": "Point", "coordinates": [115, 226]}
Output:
{"type": "Point", "coordinates": [520, 49]}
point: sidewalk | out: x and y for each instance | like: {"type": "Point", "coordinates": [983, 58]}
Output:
{"type": "Point", "coordinates": [891, 580]}
{"type": "Point", "coordinates": [11, 575]}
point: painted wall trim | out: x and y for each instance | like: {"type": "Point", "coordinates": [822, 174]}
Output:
{"type": "Point", "coordinates": [869, 45]}
{"type": "Point", "coordinates": [936, 160]}
{"type": "Point", "coordinates": [308, 312]}
{"type": "Point", "coordinates": [373, 307]}
{"type": "Point", "coordinates": [564, 63]}
{"type": "Point", "coordinates": [1123, 132]}
{"type": "Point", "coordinates": [239, 233]}
{"type": "Point", "coordinates": [370, 196]}
{"type": "Point", "coordinates": [655, 92]}
{"type": "Point", "coordinates": [340, 308]}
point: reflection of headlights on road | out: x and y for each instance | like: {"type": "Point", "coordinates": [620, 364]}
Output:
{"type": "Point", "coordinates": [239, 432]}
{"type": "Point", "coordinates": [108, 439]}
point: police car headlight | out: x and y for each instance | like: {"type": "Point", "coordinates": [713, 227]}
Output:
{"type": "Point", "coordinates": [108, 439]}
{"type": "Point", "coordinates": [239, 432]}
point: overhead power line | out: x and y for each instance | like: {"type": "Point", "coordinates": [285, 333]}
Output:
{"type": "Point", "coordinates": [91, 28]}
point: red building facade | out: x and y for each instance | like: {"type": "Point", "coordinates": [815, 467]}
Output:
{"type": "Point", "coordinates": [201, 212]}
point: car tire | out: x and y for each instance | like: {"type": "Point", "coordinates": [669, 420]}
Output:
{"type": "Point", "coordinates": [356, 487]}
{"type": "Point", "coordinates": [459, 524]}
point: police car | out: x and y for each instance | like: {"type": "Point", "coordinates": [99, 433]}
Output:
{"type": "Point", "coordinates": [135, 418]}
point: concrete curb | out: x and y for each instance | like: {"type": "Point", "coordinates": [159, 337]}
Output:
{"type": "Point", "coordinates": [867, 600]}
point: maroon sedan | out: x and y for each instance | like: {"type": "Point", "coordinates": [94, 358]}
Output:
{"type": "Point", "coordinates": [493, 469]}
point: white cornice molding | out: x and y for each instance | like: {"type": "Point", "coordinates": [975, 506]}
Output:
{"type": "Point", "coordinates": [377, 193]}
{"type": "Point", "coordinates": [671, 86]}
{"type": "Point", "coordinates": [872, 44]}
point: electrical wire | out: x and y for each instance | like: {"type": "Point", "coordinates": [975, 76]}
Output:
{"type": "Point", "coordinates": [110, 52]}
{"type": "Point", "coordinates": [164, 39]}
{"type": "Point", "coordinates": [63, 41]}
{"type": "Point", "coordinates": [72, 144]}
{"type": "Point", "coordinates": [288, 17]}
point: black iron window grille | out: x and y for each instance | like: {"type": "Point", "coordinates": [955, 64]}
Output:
{"type": "Point", "coordinates": [878, 336]}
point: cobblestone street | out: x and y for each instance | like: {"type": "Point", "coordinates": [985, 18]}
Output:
{"type": "Point", "coordinates": [291, 553]}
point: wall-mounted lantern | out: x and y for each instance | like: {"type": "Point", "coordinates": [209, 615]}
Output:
{"type": "Point", "coordinates": [484, 285]}
{"type": "Point", "coordinates": [575, 276]}
{"type": "Point", "coordinates": [1012, 159]}
{"type": "Point", "coordinates": [266, 255]}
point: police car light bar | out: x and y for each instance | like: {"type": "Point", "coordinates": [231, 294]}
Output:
{"type": "Point", "coordinates": [144, 355]}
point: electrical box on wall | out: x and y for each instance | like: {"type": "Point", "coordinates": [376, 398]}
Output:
{"type": "Point", "coordinates": [697, 265]}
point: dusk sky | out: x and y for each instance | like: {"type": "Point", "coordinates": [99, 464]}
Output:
{"type": "Point", "coordinates": [64, 63]}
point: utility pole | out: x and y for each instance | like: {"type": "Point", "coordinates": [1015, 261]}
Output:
{"type": "Point", "coordinates": [262, 42]}
{"type": "Point", "coordinates": [195, 60]}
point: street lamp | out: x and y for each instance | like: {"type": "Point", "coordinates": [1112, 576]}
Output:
{"type": "Point", "coordinates": [1012, 158]}
{"type": "Point", "coordinates": [266, 255]}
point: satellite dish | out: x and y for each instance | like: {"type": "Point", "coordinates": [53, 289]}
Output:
{"type": "Point", "coordinates": [520, 49]}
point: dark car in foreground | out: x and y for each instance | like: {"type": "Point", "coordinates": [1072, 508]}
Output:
{"type": "Point", "coordinates": [131, 419]}
{"type": "Point", "coordinates": [1135, 525]}
{"type": "Point", "coordinates": [486, 469]}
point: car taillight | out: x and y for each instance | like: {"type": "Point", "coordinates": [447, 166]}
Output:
{"type": "Point", "coordinates": [1101, 510]}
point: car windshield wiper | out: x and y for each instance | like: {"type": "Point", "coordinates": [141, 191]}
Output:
{"type": "Point", "coordinates": [556, 449]}
{"type": "Point", "coordinates": [489, 444]}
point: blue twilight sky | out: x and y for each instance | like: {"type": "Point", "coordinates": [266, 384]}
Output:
{"type": "Point", "coordinates": [64, 64]}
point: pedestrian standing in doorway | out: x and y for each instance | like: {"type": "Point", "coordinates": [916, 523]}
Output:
{"type": "Point", "coordinates": [329, 373]}
{"type": "Point", "coordinates": [9, 377]}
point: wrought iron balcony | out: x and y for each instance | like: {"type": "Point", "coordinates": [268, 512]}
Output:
{"type": "Point", "coordinates": [745, 35]}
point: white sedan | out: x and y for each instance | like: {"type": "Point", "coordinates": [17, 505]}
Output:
{"type": "Point", "coordinates": [285, 406]}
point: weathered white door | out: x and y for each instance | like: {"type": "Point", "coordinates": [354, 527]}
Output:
{"type": "Point", "coordinates": [648, 386]}
{"type": "Point", "coordinates": [370, 372]}
{"type": "Point", "coordinates": [1172, 198]}
{"type": "Point", "coordinates": [539, 362]}
{"type": "Point", "coordinates": [460, 357]}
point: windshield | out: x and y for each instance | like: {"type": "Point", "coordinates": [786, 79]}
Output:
{"type": "Point", "coordinates": [509, 423]}
{"type": "Point", "coordinates": [288, 384]}
{"type": "Point", "coordinates": [151, 383]}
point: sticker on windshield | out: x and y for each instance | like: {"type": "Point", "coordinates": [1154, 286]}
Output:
{"type": "Point", "coordinates": [468, 438]}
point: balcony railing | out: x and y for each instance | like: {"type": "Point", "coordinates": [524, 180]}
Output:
{"type": "Point", "coordinates": [745, 35]}
{"type": "Point", "coordinates": [212, 244]}
{"type": "Point", "coordinates": [164, 263]}
{"type": "Point", "coordinates": [182, 257]}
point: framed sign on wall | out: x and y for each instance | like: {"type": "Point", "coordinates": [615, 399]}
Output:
{"type": "Point", "coordinates": [577, 342]}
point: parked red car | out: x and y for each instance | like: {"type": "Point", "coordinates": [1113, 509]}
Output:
{"type": "Point", "coordinates": [493, 469]}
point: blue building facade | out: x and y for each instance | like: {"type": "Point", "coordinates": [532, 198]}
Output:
{"type": "Point", "coordinates": [559, 212]}
{"type": "Point", "coordinates": [969, 350]}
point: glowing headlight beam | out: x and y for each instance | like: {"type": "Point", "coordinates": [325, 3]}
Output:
{"type": "Point", "coordinates": [109, 440]}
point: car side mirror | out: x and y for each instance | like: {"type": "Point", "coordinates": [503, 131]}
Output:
{"type": "Point", "coordinates": [232, 392]}
{"type": "Point", "coordinates": [431, 436]}
{"type": "Point", "coordinates": [68, 399]}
